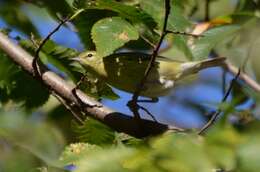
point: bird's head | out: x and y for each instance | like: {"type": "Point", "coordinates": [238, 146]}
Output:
{"type": "Point", "coordinates": [88, 59]}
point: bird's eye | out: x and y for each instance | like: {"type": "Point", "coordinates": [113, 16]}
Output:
{"type": "Point", "coordinates": [90, 55]}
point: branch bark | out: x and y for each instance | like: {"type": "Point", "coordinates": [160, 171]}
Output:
{"type": "Point", "coordinates": [116, 120]}
{"type": "Point", "coordinates": [243, 76]}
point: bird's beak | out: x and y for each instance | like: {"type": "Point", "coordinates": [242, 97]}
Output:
{"type": "Point", "coordinates": [76, 59]}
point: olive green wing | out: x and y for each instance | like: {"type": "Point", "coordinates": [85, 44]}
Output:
{"type": "Point", "coordinates": [142, 56]}
{"type": "Point", "coordinates": [126, 70]}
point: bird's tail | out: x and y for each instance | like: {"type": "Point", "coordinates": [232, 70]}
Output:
{"type": "Point", "coordinates": [196, 66]}
{"type": "Point", "coordinates": [220, 61]}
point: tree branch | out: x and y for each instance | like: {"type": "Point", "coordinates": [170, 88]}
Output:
{"type": "Point", "coordinates": [243, 76]}
{"type": "Point", "coordinates": [116, 120]}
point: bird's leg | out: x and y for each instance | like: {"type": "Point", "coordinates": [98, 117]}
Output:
{"type": "Point", "coordinates": [82, 79]}
{"type": "Point", "coordinates": [99, 86]}
{"type": "Point", "coordinates": [148, 113]}
{"type": "Point", "coordinates": [152, 100]}
{"type": "Point", "coordinates": [74, 90]}
{"type": "Point", "coordinates": [134, 106]}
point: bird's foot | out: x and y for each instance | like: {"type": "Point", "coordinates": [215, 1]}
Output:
{"type": "Point", "coordinates": [135, 107]}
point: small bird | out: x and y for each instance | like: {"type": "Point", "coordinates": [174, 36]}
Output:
{"type": "Point", "coordinates": [125, 71]}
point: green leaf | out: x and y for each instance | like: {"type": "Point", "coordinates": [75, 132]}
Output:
{"type": "Point", "coordinates": [56, 55]}
{"type": "Point", "coordinates": [31, 137]}
{"type": "Point", "coordinates": [14, 16]}
{"type": "Point", "coordinates": [239, 94]}
{"type": "Point", "coordinates": [221, 146]}
{"type": "Point", "coordinates": [132, 13]}
{"type": "Point", "coordinates": [181, 43]}
{"type": "Point", "coordinates": [176, 19]}
{"type": "Point", "coordinates": [254, 57]}
{"type": "Point", "coordinates": [84, 23]}
{"type": "Point", "coordinates": [137, 17]}
{"type": "Point", "coordinates": [155, 9]}
{"type": "Point", "coordinates": [109, 160]}
{"type": "Point", "coordinates": [60, 7]}
{"type": "Point", "coordinates": [111, 33]}
{"type": "Point", "coordinates": [7, 69]}
{"type": "Point", "coordinates": [19, 86]}
{"type": "Point", "coordinates": [95, 87]}
{"type": "Point", "coordinates": [202, 46]}
{"type": "Point", "coordinates": [27, 90]}
{"type": "Point", "coordinates": [105, 91]}
{"type": "Point", "coordinates": [248, 155]}
{"type": "Point", "coordinates": [60, 57]}
{"type": "Point", "coordinates": [94, 132]}
{"type": "Point", "coordinates": [124, 139]}
{"type": "Point", "coordinates": [176, 157]}
{"type": "Point", "coordinates": [53, 54]}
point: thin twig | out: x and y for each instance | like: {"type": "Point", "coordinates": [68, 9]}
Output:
{"type": "Point", "coordinates": [133, 103]}
{"type": "Point", "coordinates": [218, 112]}
{"type": "Point", "coordinates": [70, 107]}
{"type": "Point", "coordinates": [224, 78]}
{"type": "Point", "coordinates": [43, 42]}
{"type": "Point", "coordinates": [74, 90]}
{"type": "Point", "coordinates": [207, 10]}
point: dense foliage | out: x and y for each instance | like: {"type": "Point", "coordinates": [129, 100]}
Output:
{"type": "Point", "coordinates": [38, 134]}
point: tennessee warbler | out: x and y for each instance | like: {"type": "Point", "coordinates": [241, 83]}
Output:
{"type": "Point", "coordinates": [125, 71]}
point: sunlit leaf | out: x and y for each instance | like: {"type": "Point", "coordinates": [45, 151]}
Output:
{"type": "Point", "coordinates": [143, 22]}
{"type": "Point", "coordinates": [111, 33]}
{"type": "Point", "coordinates": [84, 23]}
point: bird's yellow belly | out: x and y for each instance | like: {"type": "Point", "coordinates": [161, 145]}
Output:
{"type": "Point", "coordinates": [152, 88]}
{"type": "Point", "coordinates": [158, 88]}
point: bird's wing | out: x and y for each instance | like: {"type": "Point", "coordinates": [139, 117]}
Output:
{"type": "Point", "coordinates": [143, 56]}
